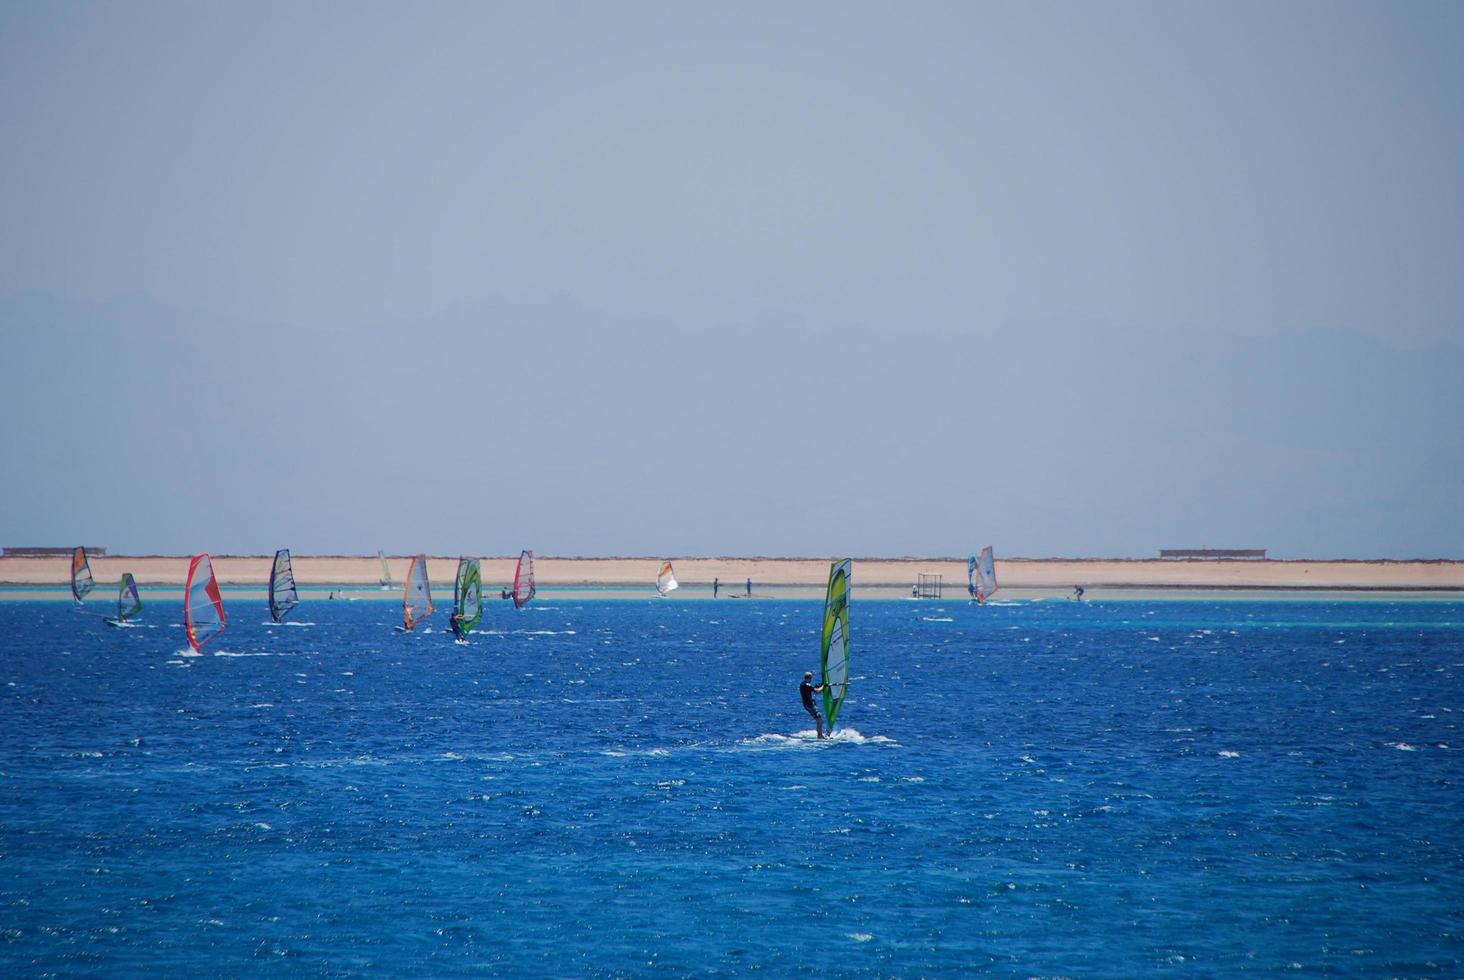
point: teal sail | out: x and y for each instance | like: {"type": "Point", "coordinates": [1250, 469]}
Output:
{"type": "Point", "coordinates": [834, 646]}
{"type": "Point", "coordinates": [283, 596]}
{"type": "Point", "coordinates": [129, 603]}
{"type": "Point", "coordinates": [467, 607]}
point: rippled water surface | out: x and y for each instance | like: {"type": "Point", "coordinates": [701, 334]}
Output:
{"type": "Point", "coordinates": [628, 787]}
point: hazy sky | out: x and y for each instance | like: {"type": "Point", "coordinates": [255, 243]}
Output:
{"type": "Point", "coordinates": [753, 278]}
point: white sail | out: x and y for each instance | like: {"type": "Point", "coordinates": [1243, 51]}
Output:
{"type": "Point", "coordinates": [666, 581]}
{"type": "Point", "coordinates": [523, 580]}
{"type": "Point", "coordinates": [417, 596]}
{"type": "Point", "coordinates": [985, 575]}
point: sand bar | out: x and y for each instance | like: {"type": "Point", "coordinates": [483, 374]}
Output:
{"type": "Point", "coordinates": [779, 577]}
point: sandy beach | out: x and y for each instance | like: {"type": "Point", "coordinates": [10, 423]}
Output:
{"type": "Point", "coordinates": [786, 577]}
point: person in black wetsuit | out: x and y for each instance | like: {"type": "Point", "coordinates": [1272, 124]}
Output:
{"type": "Point", "coordinates": [808, 688]}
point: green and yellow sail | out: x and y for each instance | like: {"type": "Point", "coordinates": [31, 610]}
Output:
{"type": "Point", "coordinates": [834, 646]}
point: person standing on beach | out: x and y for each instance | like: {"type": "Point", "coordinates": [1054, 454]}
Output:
{"type": "Point", "coordinates": [808, 688]}
{"type": "Point", "coordinates": [716, 584]}
{"type": "Point", "coordinates": [749, 586]}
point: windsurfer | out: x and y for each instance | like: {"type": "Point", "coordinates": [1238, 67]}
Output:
{"type": "Point", "coordinates": [808, 688]}
{"type": "Point", "coordinates": [504, 593]}
{"type": "Point", "coordinates": [1077, 592]}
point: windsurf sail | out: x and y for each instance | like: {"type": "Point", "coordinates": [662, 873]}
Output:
{"type": "Point", "coordinates": [81, 576]}
{"type": "Point", "coordinates": [467, 606]}
{"type": "Point", "coordinates": [834, 647]}
{"type": "Point", "coordinates": [385, 580]}
{"type": "Point", "coordinates": [666, 581]}
{"type": "Point", "coordinates": [985, 575]}
{"type": "Point", "coordinates": [417, 596]}
{"type": "Point", "coordinates": [203, 604]}
{"type": "Point", "coordinates": [129, 603]}
{"type": "Point", "coordinates": [283, 595]}
{"type": "Point", "coordinates": [523, 580]}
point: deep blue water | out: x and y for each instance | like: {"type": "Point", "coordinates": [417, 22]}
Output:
{"type": "Point", "coordinates": [629, 787]}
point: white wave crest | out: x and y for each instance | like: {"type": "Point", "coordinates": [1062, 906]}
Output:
{"type": "Point", "coordinates": [808, 737]}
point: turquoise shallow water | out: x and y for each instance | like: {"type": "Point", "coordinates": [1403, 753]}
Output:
{"type": "Point", "coordinates": [629, 787]}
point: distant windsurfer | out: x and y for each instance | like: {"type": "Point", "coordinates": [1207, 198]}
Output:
{"type": "Point", "coordinates": [808, 688]}
{"type": "Point", "coordinates": [1077, 592]}
{"type": "Point", "coordinates": [504, 593]}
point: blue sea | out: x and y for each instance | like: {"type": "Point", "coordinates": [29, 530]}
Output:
{"type": "Point", "coordinates": [626, 787]}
